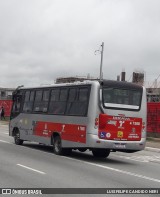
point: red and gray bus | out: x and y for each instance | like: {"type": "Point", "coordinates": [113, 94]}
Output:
{"type": "Point", "coordinates": [101, 116]}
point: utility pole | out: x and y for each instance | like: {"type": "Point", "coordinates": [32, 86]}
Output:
{"type": "Point", "coordinates": [101, 64]}
{"type": "Point", "coordinates": [100, 51]}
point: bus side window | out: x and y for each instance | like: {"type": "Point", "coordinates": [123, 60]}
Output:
{"type": "Point", "coordinates": [79, 105]}
{"type": "Point", "coordinates": [45, 100]}
{"type": "Point", "coordinates": [58, 101]}
{"type": "Point", "coordinates": [71, 101]}
{"type": "Point", "coordinates": [37, 101]}
{"type": "Point", "coordinates": [83, 101]}
{"type": "Point", "coordinates": [28, 101]}
{"type": "Point", "coordinates": [16, 104]}
{"type": "Point", "coordinates": [31, 99]}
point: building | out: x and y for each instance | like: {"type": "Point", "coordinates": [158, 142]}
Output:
{"type": "Point", "coordinates": [73, 79]}
{"type": "Point", "coordinates": [153, 94]}
{"type": "Point", "coordinates": [6, 93]}
{"type": "Point", "coordinates": [6, 99]}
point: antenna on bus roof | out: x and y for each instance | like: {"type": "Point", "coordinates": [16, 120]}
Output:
{"type": "Point", "coordinates": [101, 63]}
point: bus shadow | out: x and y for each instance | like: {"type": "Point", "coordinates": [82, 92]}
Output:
{"type": "Point", "coordinates": [88, 157]}
{"type": "Point", "coordinates": [82, 156]}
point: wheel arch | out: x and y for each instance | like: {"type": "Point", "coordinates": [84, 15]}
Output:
{"type": "Point", "coordinates": [54, 134]}
{"type": "Point", "coordinates": [14, 131]}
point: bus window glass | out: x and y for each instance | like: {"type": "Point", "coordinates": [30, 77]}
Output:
{"type": "Point", "coordinates": [38, 95]}
{"type": "Point", "coordinates": [16, 104]}
{"type": "Point", "coordinates": [63, 95]}
{"type": "Point", "coordinates": [32, 96]}
{"type": "Point", "coordinates": [83, 94]}
{"type": "Point", "coordinates": [72, 94]}
{"type": "Point", "coordinates": [27, 94]}
{"type": "Point", "coordinates": [55, 95]}
{"type": "Point", "coordinates": [45, 100]}
{"type": "Point", "coordinates": [38, 101]}
{"type": "Point", "coordinates": [78, 107]}
{"type": "Point", "coordinates": [27, 106]}
{"type": "Point", "coordinates": [135, 97]}
{"type": "Point", "coordinates": [58, 101]}
{"type": "Point", "coordinates": [31, 100]}
{"type": "Point", "coordinates": [122, 98]}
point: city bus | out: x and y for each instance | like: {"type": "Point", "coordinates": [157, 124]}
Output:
{"type": "Point", "coordinates": [101, 116]}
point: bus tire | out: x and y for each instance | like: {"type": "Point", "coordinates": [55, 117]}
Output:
{"type": "Point", "coordinates": [17, 139]}
{"type": "Point", "coordinates": [82, 149]}
{"type": "Point", "coordinates": [100, 153]}
{"type": "Point", "coordinates": [57, 147]}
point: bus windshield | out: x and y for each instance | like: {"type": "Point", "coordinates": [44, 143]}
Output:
{"type": "Point", "coordinates": [129, 99]}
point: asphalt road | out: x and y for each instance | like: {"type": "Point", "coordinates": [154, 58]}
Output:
{"type": "Point", "coordinates": [35, 166]}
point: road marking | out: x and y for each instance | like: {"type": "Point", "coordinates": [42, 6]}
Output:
{"type": "Point", "coordinates": [141, 158]}
{"type": "Point", "coordinates": [6, 133]}
{"type": "Point", "coordinates": [6, 126]}
{"type": "Point", "coordinates": [30, 168]}
{"type": "Point", "coordinates": [117, 170]}
{"type": "Point", "coordinates": [5, 142]}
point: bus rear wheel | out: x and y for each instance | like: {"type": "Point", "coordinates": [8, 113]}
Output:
{"type": "Point", "coordinates": [57, 147]}
{"type": "Point", "coordinates": [82, 149]}
{"type": "Point", "coordinates": [17, 139]}
{"type": "Point", "coordinates": [100, 153]}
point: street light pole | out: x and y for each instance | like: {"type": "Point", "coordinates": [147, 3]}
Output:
{"type": "Point", "coordinates": [101, 73]}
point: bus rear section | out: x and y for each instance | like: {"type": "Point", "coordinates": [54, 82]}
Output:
{"type": "Point", "coordinates": [122, 120]}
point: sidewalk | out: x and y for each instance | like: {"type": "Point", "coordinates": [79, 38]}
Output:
{"type": "Point", "coordinates": [2, 122]}
{"type": "Point", "coordinates": [153, 144]}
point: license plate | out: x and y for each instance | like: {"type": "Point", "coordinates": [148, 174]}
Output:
{"type": "Point", "coordinates": [119, 145]}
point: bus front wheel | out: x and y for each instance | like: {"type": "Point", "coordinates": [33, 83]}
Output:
{"type": "Point", "coordinates": [57, 147]}
{"type": "Point", "coordinates": [17, 139]}
{"type": "Point", "coordinates": [98, 152]}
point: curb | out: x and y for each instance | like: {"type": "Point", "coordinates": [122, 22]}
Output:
{"type": "Point", "coordinates": [157, 150]}
{"type": "Point", "coordinates": [4, 122]}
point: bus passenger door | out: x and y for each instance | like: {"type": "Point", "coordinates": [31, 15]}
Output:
{"type": "Point", "coordinates": [16, 106]}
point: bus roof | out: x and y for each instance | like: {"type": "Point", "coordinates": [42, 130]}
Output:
{"type": "Point", "coordinates": [112, 83]}
{"type": "Point", "coordinates": [61, 85]}
{"type": "Point", "coordinates": [120, 84]}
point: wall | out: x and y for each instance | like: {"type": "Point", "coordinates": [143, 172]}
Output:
{"type": "Point", "coordinates": [153, 119]}
{"type": "Point", "coordinates": [7, 104]}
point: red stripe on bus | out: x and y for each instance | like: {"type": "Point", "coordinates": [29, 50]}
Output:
{"type": "Point", "coordinates": [69, 132]}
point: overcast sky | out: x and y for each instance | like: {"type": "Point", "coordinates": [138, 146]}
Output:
{"type": "Point", "coordinates": [41, 40]}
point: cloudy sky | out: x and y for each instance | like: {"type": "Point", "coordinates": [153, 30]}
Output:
{"type": "Point", "coordinates": [41, 40]}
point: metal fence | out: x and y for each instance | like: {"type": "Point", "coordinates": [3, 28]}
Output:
{"type": "Point", "coordinates": [153, 117]}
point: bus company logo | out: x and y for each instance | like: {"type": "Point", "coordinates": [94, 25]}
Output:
{"type": "Point", "coordinates": [120, 134]}
{"type": "Point", "coordinates": [6, 191]}
{"type": "Point", "coordinates": [112, 122]}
